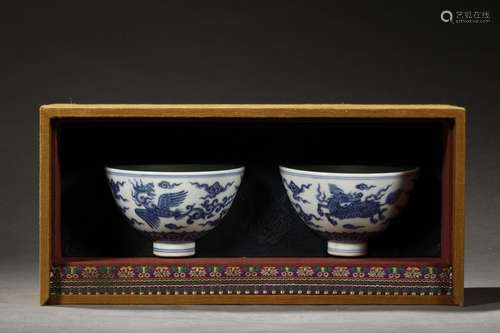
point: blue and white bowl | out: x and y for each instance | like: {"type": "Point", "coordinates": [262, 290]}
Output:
{"type": "Point", "coordinates": [174, 204]}
{"type": "Point", "coordinates": [346, 205]}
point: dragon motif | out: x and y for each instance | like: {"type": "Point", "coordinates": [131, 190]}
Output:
{"type": "Point", "coordinates": [341, 205]}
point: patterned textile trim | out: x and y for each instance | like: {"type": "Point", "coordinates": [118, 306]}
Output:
{"type": "Point", "coordinates": [210, 279]}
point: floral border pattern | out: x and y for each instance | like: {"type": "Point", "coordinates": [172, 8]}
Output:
{"type": "Point", "coordinates": [247, 279]}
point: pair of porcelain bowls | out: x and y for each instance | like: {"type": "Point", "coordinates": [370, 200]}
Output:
{"type": "Point", "coordinates": [177, 204]}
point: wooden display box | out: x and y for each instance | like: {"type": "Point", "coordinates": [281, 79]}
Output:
{"type": "Point", "coordinates": [261, 253]}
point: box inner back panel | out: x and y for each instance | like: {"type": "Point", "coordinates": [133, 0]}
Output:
{"type": "Point", "coordinates": [261, 221]}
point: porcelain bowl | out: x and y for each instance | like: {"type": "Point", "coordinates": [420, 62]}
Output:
{"type": "Point", "coordinates": [174, 204]}
{"type": "Point", "coordinates": [346, 205]}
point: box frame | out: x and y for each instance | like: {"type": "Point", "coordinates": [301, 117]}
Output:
{"type": "Point", "coordinates": [50, 202]}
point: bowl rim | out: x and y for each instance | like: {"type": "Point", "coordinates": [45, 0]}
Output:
{"type": "Point", "coordinates": [135, 170]}
{"type": "Point", "coordinates": [297, 170]}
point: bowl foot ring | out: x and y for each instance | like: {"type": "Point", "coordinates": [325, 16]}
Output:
{"type": "Point", "coordinates": [347, 249]}
{"type": "Point", "coordinates": [173, 249]}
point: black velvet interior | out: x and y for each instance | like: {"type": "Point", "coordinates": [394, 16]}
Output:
{"type": "Point", "coordinates": [261, 221]}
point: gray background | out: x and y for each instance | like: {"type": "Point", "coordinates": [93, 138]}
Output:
{"type": "Point", "coordinates": [242, 52]}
